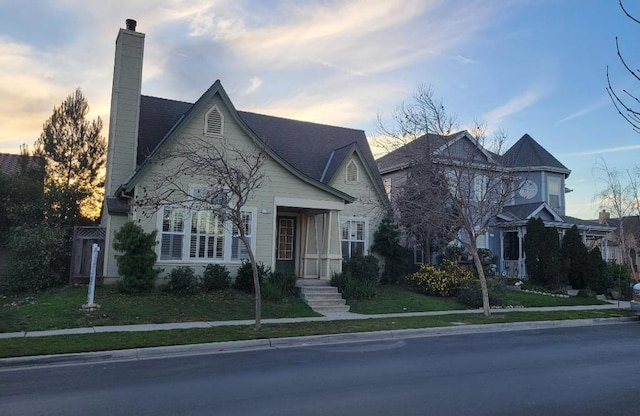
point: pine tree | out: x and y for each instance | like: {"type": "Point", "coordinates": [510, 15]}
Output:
{"type": "Point", "coordinates": [74, 154]}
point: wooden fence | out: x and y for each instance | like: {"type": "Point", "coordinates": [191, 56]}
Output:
{"type": "Point", "coordinates": [83, 239]}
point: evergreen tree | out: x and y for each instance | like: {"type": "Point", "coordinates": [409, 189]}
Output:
{"type": "Point", "coordinates": [533, 246]}
{"type": "Point", "coordinates": [22, 196]}
{"type": "Point", "coordinates": [551, 259]}
{"type": "Point", "coordinates": [386, 242]}
{"type": "Point", "coordinates": [574, 258]}
{"type": "Point", "coordinates": [596, 272]}
{"type": "Point", "coordinates": [74, 154]}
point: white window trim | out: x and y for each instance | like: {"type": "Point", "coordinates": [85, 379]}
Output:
{"type": "Point", "coordinates": [186, 238]}
{"type": "Point", "coordinates": [206, 122]}
{"type": "Point", "coordinates": [549, 179]}
{"type": "Point", "coordinates": [365, 251]}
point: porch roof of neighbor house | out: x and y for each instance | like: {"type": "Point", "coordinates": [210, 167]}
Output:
{"type": "Point", "coordinates": [316, 150]}
{"type": "Point", "coordinates": [519, 214]}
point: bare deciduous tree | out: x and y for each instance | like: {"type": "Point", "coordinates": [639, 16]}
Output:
{"type": "Point", "coordinates": [625, 102]}
{"type": "Point", "coordinates": [227, 176]}
{"type": "Point", "coordinates": [621, 199]}
{"type": "Point", "coordinates": [453, 188]}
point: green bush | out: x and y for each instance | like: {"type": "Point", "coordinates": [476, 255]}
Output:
{"type": "Point", "coordinates": [182, 281]}
{"type": "Point", "coordinates": [215, 277]}
{"type": "Point", "coordinates": [279, 286]}
{"type": "Point", "coordinates": [39, 258]}
{"type": "Point", "coordinates": [353, 288]}
{"type": "Point", "coordinates": [244, 277]}
{"type": "Point", "coordinates": [362, 268]}
{"type": "Point", "coordinates": [386, 243]}
{"type": "Point", "coordinates": [445, 281]}
{"type": "Point", "coordinates": [136, 263]}
{"type": "Point", "coordinates": [471, 293]}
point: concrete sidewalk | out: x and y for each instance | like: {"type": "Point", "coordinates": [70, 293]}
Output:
{"type": "Point", "coordinates": [342, 316]}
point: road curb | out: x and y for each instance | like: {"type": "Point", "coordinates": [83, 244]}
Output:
{"type": "Point", "coordinates": [246, 345]}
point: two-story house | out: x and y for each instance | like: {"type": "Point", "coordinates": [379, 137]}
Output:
{"type": "Point", "coordinates": [539, 190]}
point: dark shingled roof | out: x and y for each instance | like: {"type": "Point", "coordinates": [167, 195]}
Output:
{"type": "Point", "coordinates": [522, 211]}
{"type": "Point", "coordinates": [10, 163]}
{"type": "Point", "coordinates": [527, 153]}
{"type": "Point", "coordinates": [157, 117]}
{"type": "Point", "coordinates": [308, 147]}
{"type": "Point", "coordinates": [406, 154]}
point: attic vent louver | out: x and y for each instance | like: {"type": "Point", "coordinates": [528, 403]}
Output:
{"type": "Point", "coordinates": [214, 122]}
{"type": "Point", "coordinates": [352, 172]}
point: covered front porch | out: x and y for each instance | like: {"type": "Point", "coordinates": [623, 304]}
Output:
{"type": "Point", "coordinates": [307, 238]}
{"type": "Point", "coordinates": [512, 256]}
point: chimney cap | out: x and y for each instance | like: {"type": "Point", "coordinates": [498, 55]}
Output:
{"type": "Point", "coordinates": [131, 24]}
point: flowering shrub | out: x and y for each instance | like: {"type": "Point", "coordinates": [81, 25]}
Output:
{"type": "Point", "coordinates": [445, 281]}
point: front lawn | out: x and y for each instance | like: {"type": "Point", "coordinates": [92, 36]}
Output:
{"type": "Point", "coordinates": [61, 308]}
{"type": "Point", "coordinates": [530, 300]}
{"type": "Point", "coordinates": [397, 299]}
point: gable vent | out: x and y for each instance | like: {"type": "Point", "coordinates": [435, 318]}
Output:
{"type": "Point", "coordinates": [352, 172]}
{"type": "Point", "coordinates": [214, 122]}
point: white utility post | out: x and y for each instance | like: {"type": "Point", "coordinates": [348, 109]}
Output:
{"type": "Point", "coordinates": [95, 249]}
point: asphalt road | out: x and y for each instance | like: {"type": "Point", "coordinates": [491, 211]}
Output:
{"type": "Point", "coordinates": [565, 371]}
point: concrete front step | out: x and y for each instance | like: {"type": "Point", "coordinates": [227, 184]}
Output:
{"type": "Point", "coordinates": [333, 302]}
{"type": "Point", "coordinates": [327, 296]}
{"type": "Point", "coordinates": [331, 309]}
{"type": "Point", "coordinates": [321, 296]}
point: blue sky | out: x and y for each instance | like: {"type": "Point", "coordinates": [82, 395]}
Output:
{"type": "Point", "coordinates": [529, 66]}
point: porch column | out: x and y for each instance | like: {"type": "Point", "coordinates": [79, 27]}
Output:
{"type": "Point", "coordinates": [331, 254]}
{"type": "Point", "coordinates": [310, 256]}
{"type": "Point", "coordinates": [521, 234]}
{"type": "Point", "coordinates": [501, 258]}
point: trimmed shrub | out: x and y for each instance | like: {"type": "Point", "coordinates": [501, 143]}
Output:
{"type": "Point", "coordinates": [362, 268]}
{"type": "Point", "coordinates": [182, 281]}
{"type": "Point", "coordinates": [136, 264]}
{"type": "Point", "coordinates": [279, 286]}
{"type": "Point", "coordinates": [352, 288]}
{"type": "Point", "coordinates": [38, 259]}
{"type": "Point", "coordinates": [471, 293]}
{"type": "Point", "coordinates": [244, 277]}
{"type": "Point", "coordinates": [216, 277]}
{"type": "Point", "coordinates": [446, 281]}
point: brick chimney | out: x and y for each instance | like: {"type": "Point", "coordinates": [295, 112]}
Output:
{"type": "Point", "coordinates": [604, 217]}
{"type": "Point", "coordinates": [125, 107]}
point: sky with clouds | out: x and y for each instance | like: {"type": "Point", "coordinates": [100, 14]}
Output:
{"type": "Point", "coordinates": [527, 66]}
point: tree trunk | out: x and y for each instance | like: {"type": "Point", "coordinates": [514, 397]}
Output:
{"type": "Point", "coordinates": [256, 280]}
{"type": "Point", "coordinates": [486, 306]}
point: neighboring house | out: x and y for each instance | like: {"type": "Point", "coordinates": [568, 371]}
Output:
{"type": "Point", "coordinates": [631, 229]}
{"type": "Point", "coordinates": [539, 184]}
{"type": "Point", "coordinates": [321, 203]}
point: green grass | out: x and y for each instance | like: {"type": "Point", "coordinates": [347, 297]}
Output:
{"type": "Point", "coordinates": [15, 347]}
{"type": "Point", "coordinates": [529, 300]}
{"type": "Point", "coordinates": [394, 299]}
{"type": "Point", "coordinates": [61, 308]}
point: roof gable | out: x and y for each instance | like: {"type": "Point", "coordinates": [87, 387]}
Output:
{"type": "Point", "coordinates": [303, 148]}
